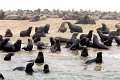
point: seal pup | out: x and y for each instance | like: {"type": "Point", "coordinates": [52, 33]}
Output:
{"type": "Point", "coordinates": [25, 33]}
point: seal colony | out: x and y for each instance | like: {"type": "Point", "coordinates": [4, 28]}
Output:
{"type": "Point", "coordinates": [79, 41]}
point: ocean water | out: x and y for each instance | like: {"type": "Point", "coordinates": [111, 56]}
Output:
{"type": "Point", "coordinates": [63, 65]}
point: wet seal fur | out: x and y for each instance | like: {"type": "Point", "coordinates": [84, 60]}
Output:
{"type": "Point", "coordinates": [97, 44]}
{"type": "Point", "coordinates": [40, 58]}
{"type": "Point", "coordinates": [46, 69]}
{"type": "Point", "coordinates": [28, 69]}
{"type": "Point", "coordinates": [97, 60]}
{"type": "Point", "coordinates": [8, 56]}
{"type": "Point", "coordinates": [29, 46]}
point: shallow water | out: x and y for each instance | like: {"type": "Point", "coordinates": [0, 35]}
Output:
{"type": "Point", "coordinates": [64, 65]}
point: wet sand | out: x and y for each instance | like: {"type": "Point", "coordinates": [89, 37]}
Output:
{"type": "Point", "coordinates": [64, 65]}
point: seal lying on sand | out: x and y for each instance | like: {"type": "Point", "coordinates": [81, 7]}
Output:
{"type": "Point", "coordinates": [25, 33]}
{"type": "Point", "coordinates": [114, 33]}
{"type": "Point", "coordinates": [98, 59]}
{"type": "Point", "coordinates": [8, 33]}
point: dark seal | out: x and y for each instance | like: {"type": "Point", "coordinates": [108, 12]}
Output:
{"type": "Point", "coordinates": [25, 33]}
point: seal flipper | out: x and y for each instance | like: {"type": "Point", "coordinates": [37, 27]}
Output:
{"type": "Point", "coordinates": [90, 61]}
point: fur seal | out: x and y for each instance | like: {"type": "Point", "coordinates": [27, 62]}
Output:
{"type": "Point", "coordinates": [76, 45]}
{"type": "Point", "coordinates": [40, 58]}
{"type": "Point", "coordinates": [56, 46]}
{"type": "Point", "coordinates": [8, 33]}
{"type": "Point", "coordinates": [29, 46]}
{"type": "Point", "coordinates": [46, 28]}
{"type": "Point", "coordinates": [89, 35]}
{"type": "Point", "coordinates": [52, 41]}
{"type": "Point", "coordinates": [41, 45]}
{"type": "Point", "coordinates": [72, 40]}
{"type": "Point", "coordinates": [62, 28]}
{"type": "Point", "coordinates": [8, 56]}
{"type": "Point", "coordinates": [1, 77]}
{"type": "Point", "coordinates": [13, 47]}
{"type": "Point", "coordinates": [38, 34]}
{"type": "Point", "coordinates": [38, 38]}
{"type": "Point", "coordinates": [62, 40]}
{"type": "Point", "coordinates": [3, 43]}
{"type": "Point", "coordinates": [117, 39]}
{"type": "Point", "coordinates": [97, 44]}
{"type": "Point", "coordinates": [108, 42]}
{"type": "Point", "coordinates": [104, 29]}
{"type": "Point", "coordinates": [84, 52]}
{"type": "Point", "coordinates": [28, 69]}
{"type": "Point", "coordinates": [46, 69]}
{"type": "Point", "coordinates": [114, 33]}
{"type": "Point", "coordinates": [74, 28]}
{"type": "Point", "coordinates": [97, 60]}
{"type": "Point", "coordinates": [102, 36]}
{"type": "Point", "coordinates": [25, 33]}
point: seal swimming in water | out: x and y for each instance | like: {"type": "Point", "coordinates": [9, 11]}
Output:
{"type": "Point", "coordinates": [74, 28]}
{"type": "Point", "coordinates": [117, 39]}
{"type": "Point", "coordinates": [46, 69]}
{"type": "Point", "coordinates": [8, 33]}
{"type": "Point", "coordinates": [97, 44]}
{"type": "Point", "coordinates": [29, 46]}
{"type": "Point", "coordinates": [40, 58]}
{"type": "Point", "coordinates": [25, 33]}
{"type": "Point", "coordinates": [104, 29]}
{"type": "Point", "coordinates": [1, 77]}
{"type": "Point", "coordinates": [84, 52]}
{"type": "Point", "coordinates": [8, 56]}
{"type": "Point", "coordinates": [89, 35]}
{"type": "Point", "coordinates": [28, 69]}
{"type": "Point", "coordinates": [13, 47]}
{"type": "Point", "coordinates": [56, 46]}
{"type": "Point", "coordinates": [97, 60]}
